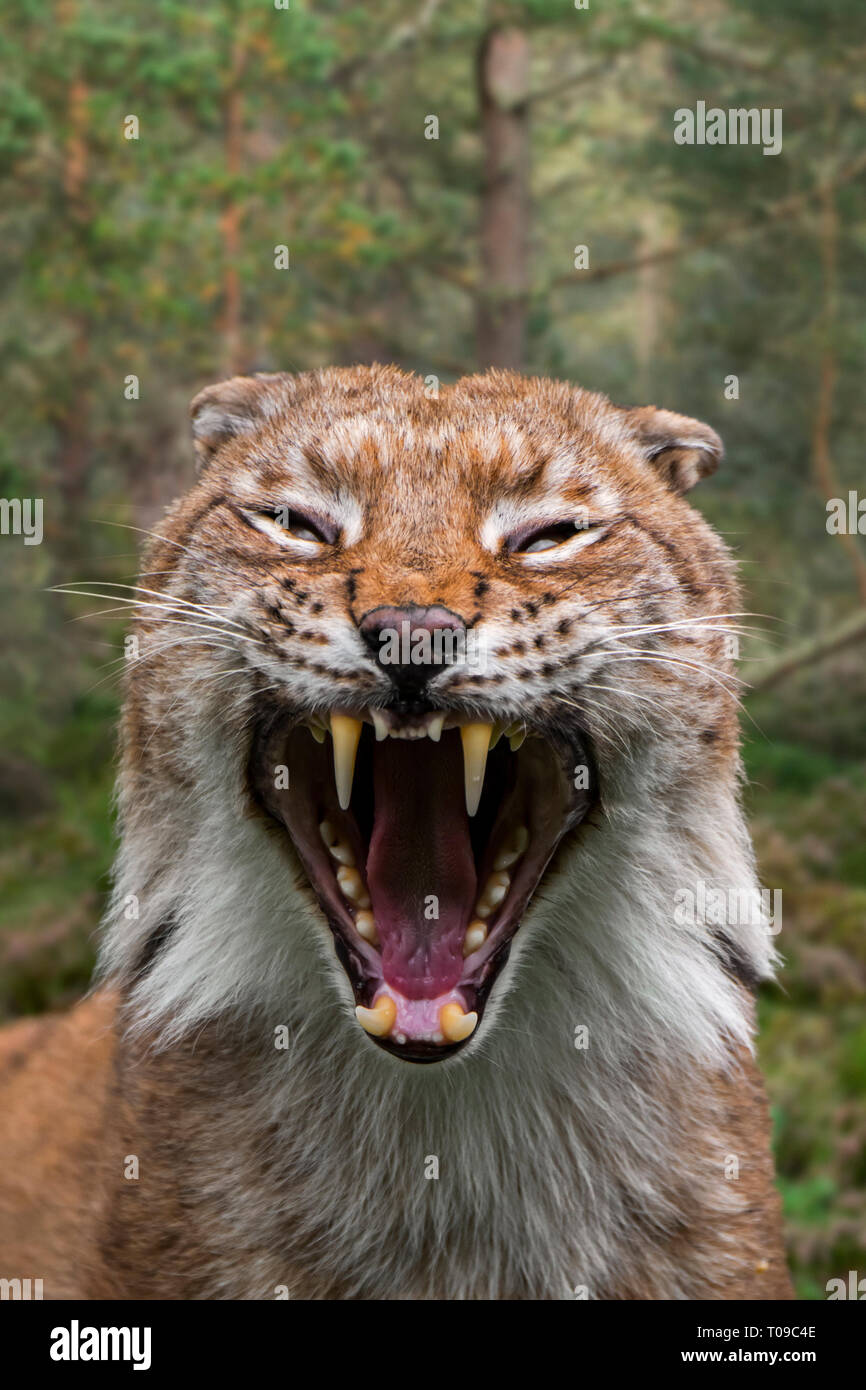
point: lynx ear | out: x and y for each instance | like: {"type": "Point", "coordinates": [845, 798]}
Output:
{"type": "Point", "coordinates": [681, 450]}
{"type": "Point", "coordinates": [233, 407]}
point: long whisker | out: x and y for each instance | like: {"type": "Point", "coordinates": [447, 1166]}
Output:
{"type": "Point", "coordinates": [608, 732]}
{"type": "Point", "coordinates": [122, 662]}
{"type": "Point", "coordinates": [212, 633]}
{"type": "Point", "coordinates": [159, 594]}
{"type": "Point", "coordinates": [180, 620]}
{"type": "Point", "coordinates": [688, 665]}
{"type": "Point", "coordinates": [124, 526]}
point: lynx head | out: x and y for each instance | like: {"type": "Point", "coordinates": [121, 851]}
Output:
{"type": "Point", "coordinates": [421, 650]}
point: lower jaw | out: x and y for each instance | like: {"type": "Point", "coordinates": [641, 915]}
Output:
{"type": "Point", "coordinates": [417, 1013]}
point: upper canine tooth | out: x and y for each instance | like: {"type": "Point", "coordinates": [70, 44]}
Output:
{"type": "Point", "coordinates": [476, 743]}
{"type": "Point", "coordinates": [513, 848]}
{"type": "Point", "coordinates": [455, 1024]}
{"type": "Point", "coordinates": [380, 1019]}
{"type": "Point", "coordinates": [345, 731]}
{"type": "Point", "coordinates": [352, 886]}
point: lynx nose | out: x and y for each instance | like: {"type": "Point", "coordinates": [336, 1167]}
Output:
{"type": "Point", "coordinates": [411, 644]}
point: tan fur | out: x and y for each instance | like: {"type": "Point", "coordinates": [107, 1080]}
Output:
{"type": "Point", "coordinates": [422, 481]}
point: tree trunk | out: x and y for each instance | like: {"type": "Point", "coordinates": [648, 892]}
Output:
{"type": "Point", "coordinates": [234, 356]}
{"type": "Point", "coordinates": [825, 473]}
{"type": "Point", "coordinates": [72, 420]}
{"type": "Point", "coordinates": [503, 82]}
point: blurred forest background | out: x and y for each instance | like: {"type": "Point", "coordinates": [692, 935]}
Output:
{"type": "Point", "coordinates": [155, 259]}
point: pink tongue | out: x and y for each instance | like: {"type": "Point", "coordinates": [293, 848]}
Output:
{"type": "Point", "coordinates": [420, 868]}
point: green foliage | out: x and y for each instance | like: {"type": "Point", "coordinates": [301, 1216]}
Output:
{"type": "Point", "coordinates": [115, 260]}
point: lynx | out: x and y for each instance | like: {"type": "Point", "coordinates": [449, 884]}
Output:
{"type": "Point", "coordinates": [392, 1000]}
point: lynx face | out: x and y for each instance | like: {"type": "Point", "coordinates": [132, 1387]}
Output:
{"type": "Point", "coordinates": [453, 622]}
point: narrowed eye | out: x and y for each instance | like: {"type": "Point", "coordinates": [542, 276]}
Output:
{"type": "Point", "coordinates": [531, 542]}
{"type": "Point", "coordinates": [299, 526]}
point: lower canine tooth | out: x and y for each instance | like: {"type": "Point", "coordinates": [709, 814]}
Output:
{"type": "Point", "coordinates": [345, 732]}
{"type": "Point", "coordinates": [455, 1024]}
{"type": "Point", "coordinates": [476, 743]}
{"type": "Point", "coordinates": [380, 1019]}
{"type": "Point", "coordinates": [352, 886]}
{"type": "Point", "coordinates": [476, 935]}
{"type": "Point", "coordinates": [365, 925]}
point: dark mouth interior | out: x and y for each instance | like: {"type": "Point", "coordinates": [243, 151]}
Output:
{"type": "Point", "coordinates": [423, 898]}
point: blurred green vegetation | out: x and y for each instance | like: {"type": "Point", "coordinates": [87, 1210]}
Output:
{"type": "Point", "coordinates": [305, 127]}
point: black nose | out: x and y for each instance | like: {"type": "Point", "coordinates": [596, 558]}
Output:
{"type": "Point", "coordinates": [411, 644]}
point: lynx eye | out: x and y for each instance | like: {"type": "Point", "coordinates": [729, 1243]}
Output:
{"type": "Point", "coordinates": [547, 537]}
{"type": "Point", "coordinates": [298, 526]}
{"type": "Point", "coordinates": [289, 521]}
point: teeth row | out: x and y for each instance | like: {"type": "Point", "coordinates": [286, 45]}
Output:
{"type": "Point", "coordinates": [430, 728]}
{"type": "Point", "coordinates": [477, 739]}
{"type": "Point", "coordinates": [495, 889]}
{"type": "Point", "coordinates": [350, 881]}
{"type": "Point", "coordinates": [454, 1023]}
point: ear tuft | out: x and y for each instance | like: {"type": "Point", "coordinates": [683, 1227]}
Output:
{"type": "Point", "coordinates": [225, 410]}
{"type": "Point", "coordinates": [681, 450]}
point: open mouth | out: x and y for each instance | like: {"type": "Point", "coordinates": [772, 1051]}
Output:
{"type": "Point", "coordinates": [424, 838]}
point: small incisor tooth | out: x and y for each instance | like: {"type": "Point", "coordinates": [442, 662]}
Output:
{"type": "Point", "coordinates": [476, 935]}
{"type": "Point", "coordinates": [455, 1024]}
{"type": "Point", "coordinates": [352, 886]}
{"type": "Point", "coordinates": [345, 732]}
{"type": "Point", "coordinates": [379, 1020]}
{"type": "Point", "coordinates": [365, 926]}
{"type": "Point", "coordinates": [513, 848]}
{"type": "Point", "coordinates": [476, 743]}
{"type": "Point", "coordinates": [379, 724]}
{"type": "Point", "coordinates": [434, 728]}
